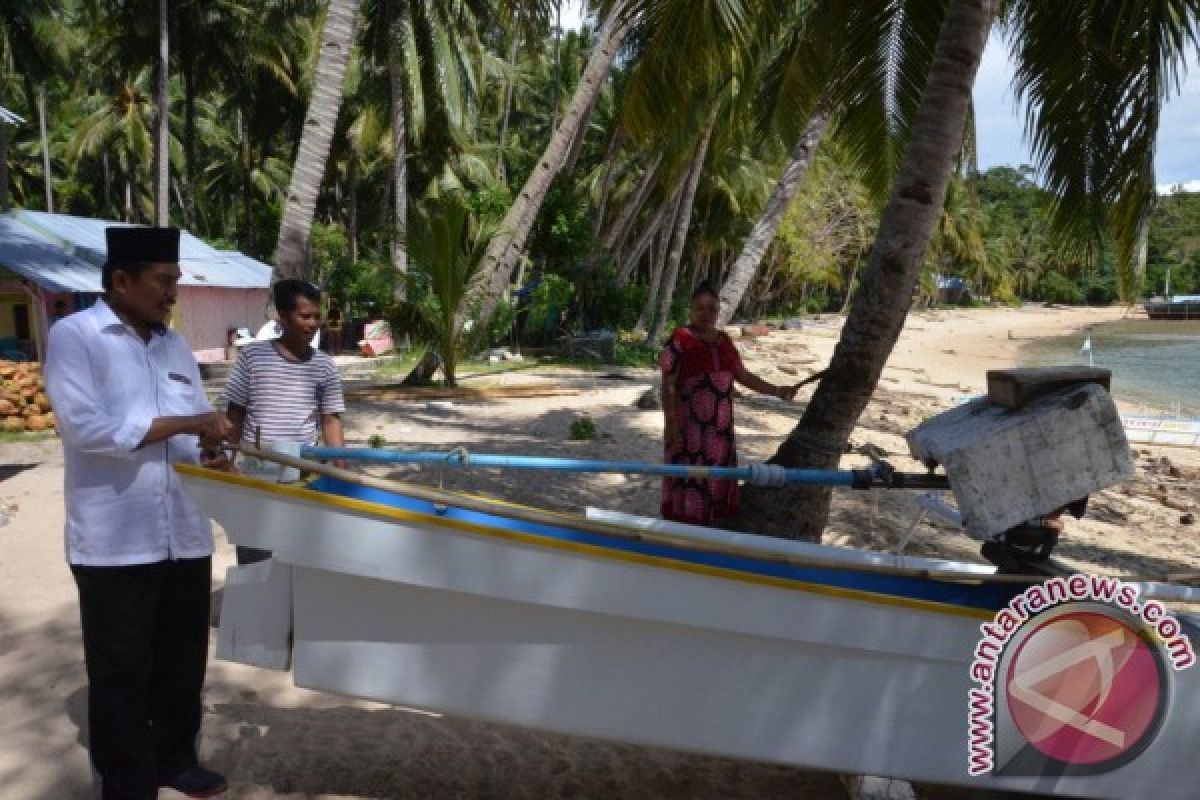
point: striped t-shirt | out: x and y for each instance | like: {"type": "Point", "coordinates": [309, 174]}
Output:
{"type": "Point", "coordinates": [283, 399]}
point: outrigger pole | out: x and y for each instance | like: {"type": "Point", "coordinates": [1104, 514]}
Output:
{"type": "Point", "coordinates": [879, 475]}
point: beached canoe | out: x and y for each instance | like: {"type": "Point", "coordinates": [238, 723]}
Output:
{"type": "Point", "coordinates": [809, 655]}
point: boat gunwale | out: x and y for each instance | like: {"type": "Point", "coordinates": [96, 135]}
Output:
{"type": "Point", "coordinates": [581, 523]}
{"type": "Point", "coordinates": [569, 524]}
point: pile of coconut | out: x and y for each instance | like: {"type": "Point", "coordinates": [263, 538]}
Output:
{"type": "Point", "coordinates": [24, 405]}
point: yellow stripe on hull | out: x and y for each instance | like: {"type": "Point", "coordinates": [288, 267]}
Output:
{"type": "Point", "coordinates": [380, 510]}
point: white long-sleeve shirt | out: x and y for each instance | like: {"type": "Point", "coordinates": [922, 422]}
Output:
{"type": "Point", "coordinates": [124, 504]}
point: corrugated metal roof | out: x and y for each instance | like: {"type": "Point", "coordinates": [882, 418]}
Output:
{"type": "Point", "coordinates": [9, 117]}
{"type": "Point", "coordinates": [254, 270]}
{"type": "Point", "coordinates": [31, 256]}
{"type": "Point", "coordinates": [83, 240]}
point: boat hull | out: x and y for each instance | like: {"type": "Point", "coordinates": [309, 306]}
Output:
{"type": "Point", "coordinates": [1185, 310]}
{"type": "Point", "coordinates": [1173, 432]}
{"type": "Point", "coordinates": [464, 615]}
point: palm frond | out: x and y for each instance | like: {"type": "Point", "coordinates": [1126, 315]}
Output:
{"type": "Point", "coordinates": [1093, 77]}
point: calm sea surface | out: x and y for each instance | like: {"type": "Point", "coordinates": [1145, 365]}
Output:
{"type": "Point", "coordinates": [1155, 363]}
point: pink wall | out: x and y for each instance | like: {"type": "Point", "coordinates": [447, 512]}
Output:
{"type": "Point", "coordinates": [204, 315]}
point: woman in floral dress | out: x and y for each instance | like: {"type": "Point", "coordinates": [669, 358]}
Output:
{"type": "Point", "coordinates": [700, 365]}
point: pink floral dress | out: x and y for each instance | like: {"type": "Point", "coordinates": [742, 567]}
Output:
{"type": "Point", "coordinates": [703, 375]}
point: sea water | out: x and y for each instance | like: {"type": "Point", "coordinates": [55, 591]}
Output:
{"type": "Point", "coordinates": [1155, 363]}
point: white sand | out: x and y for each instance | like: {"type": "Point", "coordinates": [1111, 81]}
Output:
{"type": "Point", "coordinates": [274, 740]}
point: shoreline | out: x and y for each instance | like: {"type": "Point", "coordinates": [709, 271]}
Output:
{"type": "Point", "coordinates": [274, 740]}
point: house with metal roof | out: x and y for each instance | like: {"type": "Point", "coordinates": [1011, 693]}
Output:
{"type": "Point", "coordinates": [50, 265]}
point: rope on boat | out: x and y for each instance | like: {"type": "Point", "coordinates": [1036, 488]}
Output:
{"type": "Point", "coordinates": [758, 474]}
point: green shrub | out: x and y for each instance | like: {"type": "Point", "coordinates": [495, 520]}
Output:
{"type": "Point", "coordinates": [377, 441]}
{"type": "Point", "coordinates": [637, 353]}
{"type": "Point", "coordinates": [546, 304]}
{"type": "Point", "coordinates": [602, 305]}
{"type": "Point", "coordinates": [1054, 287]}
{"type": "Point", "coordinates": [500, 327]}
{"type": "Point", "coordinates": [583, 429]}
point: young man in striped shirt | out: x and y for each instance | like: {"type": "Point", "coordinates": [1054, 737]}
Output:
{"type": "Point", "coordinates": [285, 390]}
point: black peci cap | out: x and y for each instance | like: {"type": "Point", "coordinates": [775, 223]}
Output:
{"type": "Point", "coordinates": [130, 244]}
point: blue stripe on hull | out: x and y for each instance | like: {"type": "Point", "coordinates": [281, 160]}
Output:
{"type": "Point", "coordinates": [988, 596]}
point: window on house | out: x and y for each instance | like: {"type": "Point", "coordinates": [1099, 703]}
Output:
{"type": "Point", "coordinates": [21, 322]}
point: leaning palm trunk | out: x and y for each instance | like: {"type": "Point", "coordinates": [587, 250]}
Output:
{"type": "Point", "coordinates": [658, 260]}
{"type": "Point", "coordinates": [630, 263]}
{"type": "Point", "coordinates": [613, 240]}
{"type": "Point", "coordinates": [291, 251]}
{"type": "Point", "coordinates": [506, 246]}
{"type": "Point", "coordinates": [399, 162]}
{"type": "Point", "coordinates": [614, 147]}
{"type": "Point", "coordinates": [501, 170]}
{"type": "Point", "coordinates": [658, 257]}
{"type": "Point", "coordinates": [764, 231]}
{"type": "Point", "coordinates": [683, 221]}
{"type": "Point", "coordinates": [580, 137]}
{"type": "Point", "coordinates": [881, 304]}
{"type": "Point", "coordinates": [162, 151]}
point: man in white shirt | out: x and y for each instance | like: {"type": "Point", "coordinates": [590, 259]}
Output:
{"type": "Point", "coordinates": [129, 402]}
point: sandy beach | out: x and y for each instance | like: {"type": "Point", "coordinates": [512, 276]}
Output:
{"type": "Point", "coordinates": [274, 740]}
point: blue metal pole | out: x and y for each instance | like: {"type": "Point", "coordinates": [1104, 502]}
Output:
{"type": "Point", "coordinates": [458, 458]}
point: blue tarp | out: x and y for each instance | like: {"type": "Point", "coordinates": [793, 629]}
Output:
{"type": "Point", "coordinates": [65, 253]}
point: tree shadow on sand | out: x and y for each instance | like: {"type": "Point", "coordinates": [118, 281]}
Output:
{"type": "Point", "coordinates": [44, 727]}
{"type": "Point", "coordinates": [399, 754]}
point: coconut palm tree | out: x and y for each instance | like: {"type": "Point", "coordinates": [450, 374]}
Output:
{"type": "Point", "coordinates": [760, 239]}
{"type": "Point", "coordinates": [34, 46]}
{"type": "Point", "coordinates": [446, 244]}
{"type": "Point", "coordinates": [679, 232]}
{"type": "Point", "coordinates": [434, 61]}
{"type": "Point", "coordinates": [118, 125]}
{"type": "Point", "coordinates": [507, 246]}
{"type": "Point", "coordinates": [1080, 68]}
{"type": "Point", "coordinates": [162, 122]}
{"type": "Point", "coordinates": [208, 50]}
{"type": "Point", "coordinates": [260, 109]}
{"type": "Point", "coordinates": [308, 171]}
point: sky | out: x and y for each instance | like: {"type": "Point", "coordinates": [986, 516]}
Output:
{"type": "Point", "coordinates": [999, 122]}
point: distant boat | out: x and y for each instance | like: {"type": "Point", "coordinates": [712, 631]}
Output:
{"type": "Point", "coordinates": [1176, 431]}
{"type": "Point", "coordinates": [1184, 306]}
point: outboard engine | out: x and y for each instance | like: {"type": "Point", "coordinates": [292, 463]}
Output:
{"type": "Point", "coordinates": [1019, 458]}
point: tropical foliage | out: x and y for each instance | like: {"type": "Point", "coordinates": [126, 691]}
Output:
{"type": "Point", "coordinates": [446, 245]}
{"type": "Point", "coordinates": [475, 111]}
{"type": "Point", "coordinates": [805, 156]}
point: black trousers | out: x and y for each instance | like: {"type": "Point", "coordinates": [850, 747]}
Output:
{"type": "Point", "coordinates": [251, 555]}
{"type": "Point", "coordinates": [145, 641]}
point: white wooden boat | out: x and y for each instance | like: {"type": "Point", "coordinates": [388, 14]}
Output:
{"type": "Point", "coordinates": [1174, 431]}
{"type": "Point", "coordinates": [1141, 429]}
{"type": "Point", "coordinates": [709, 642]}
